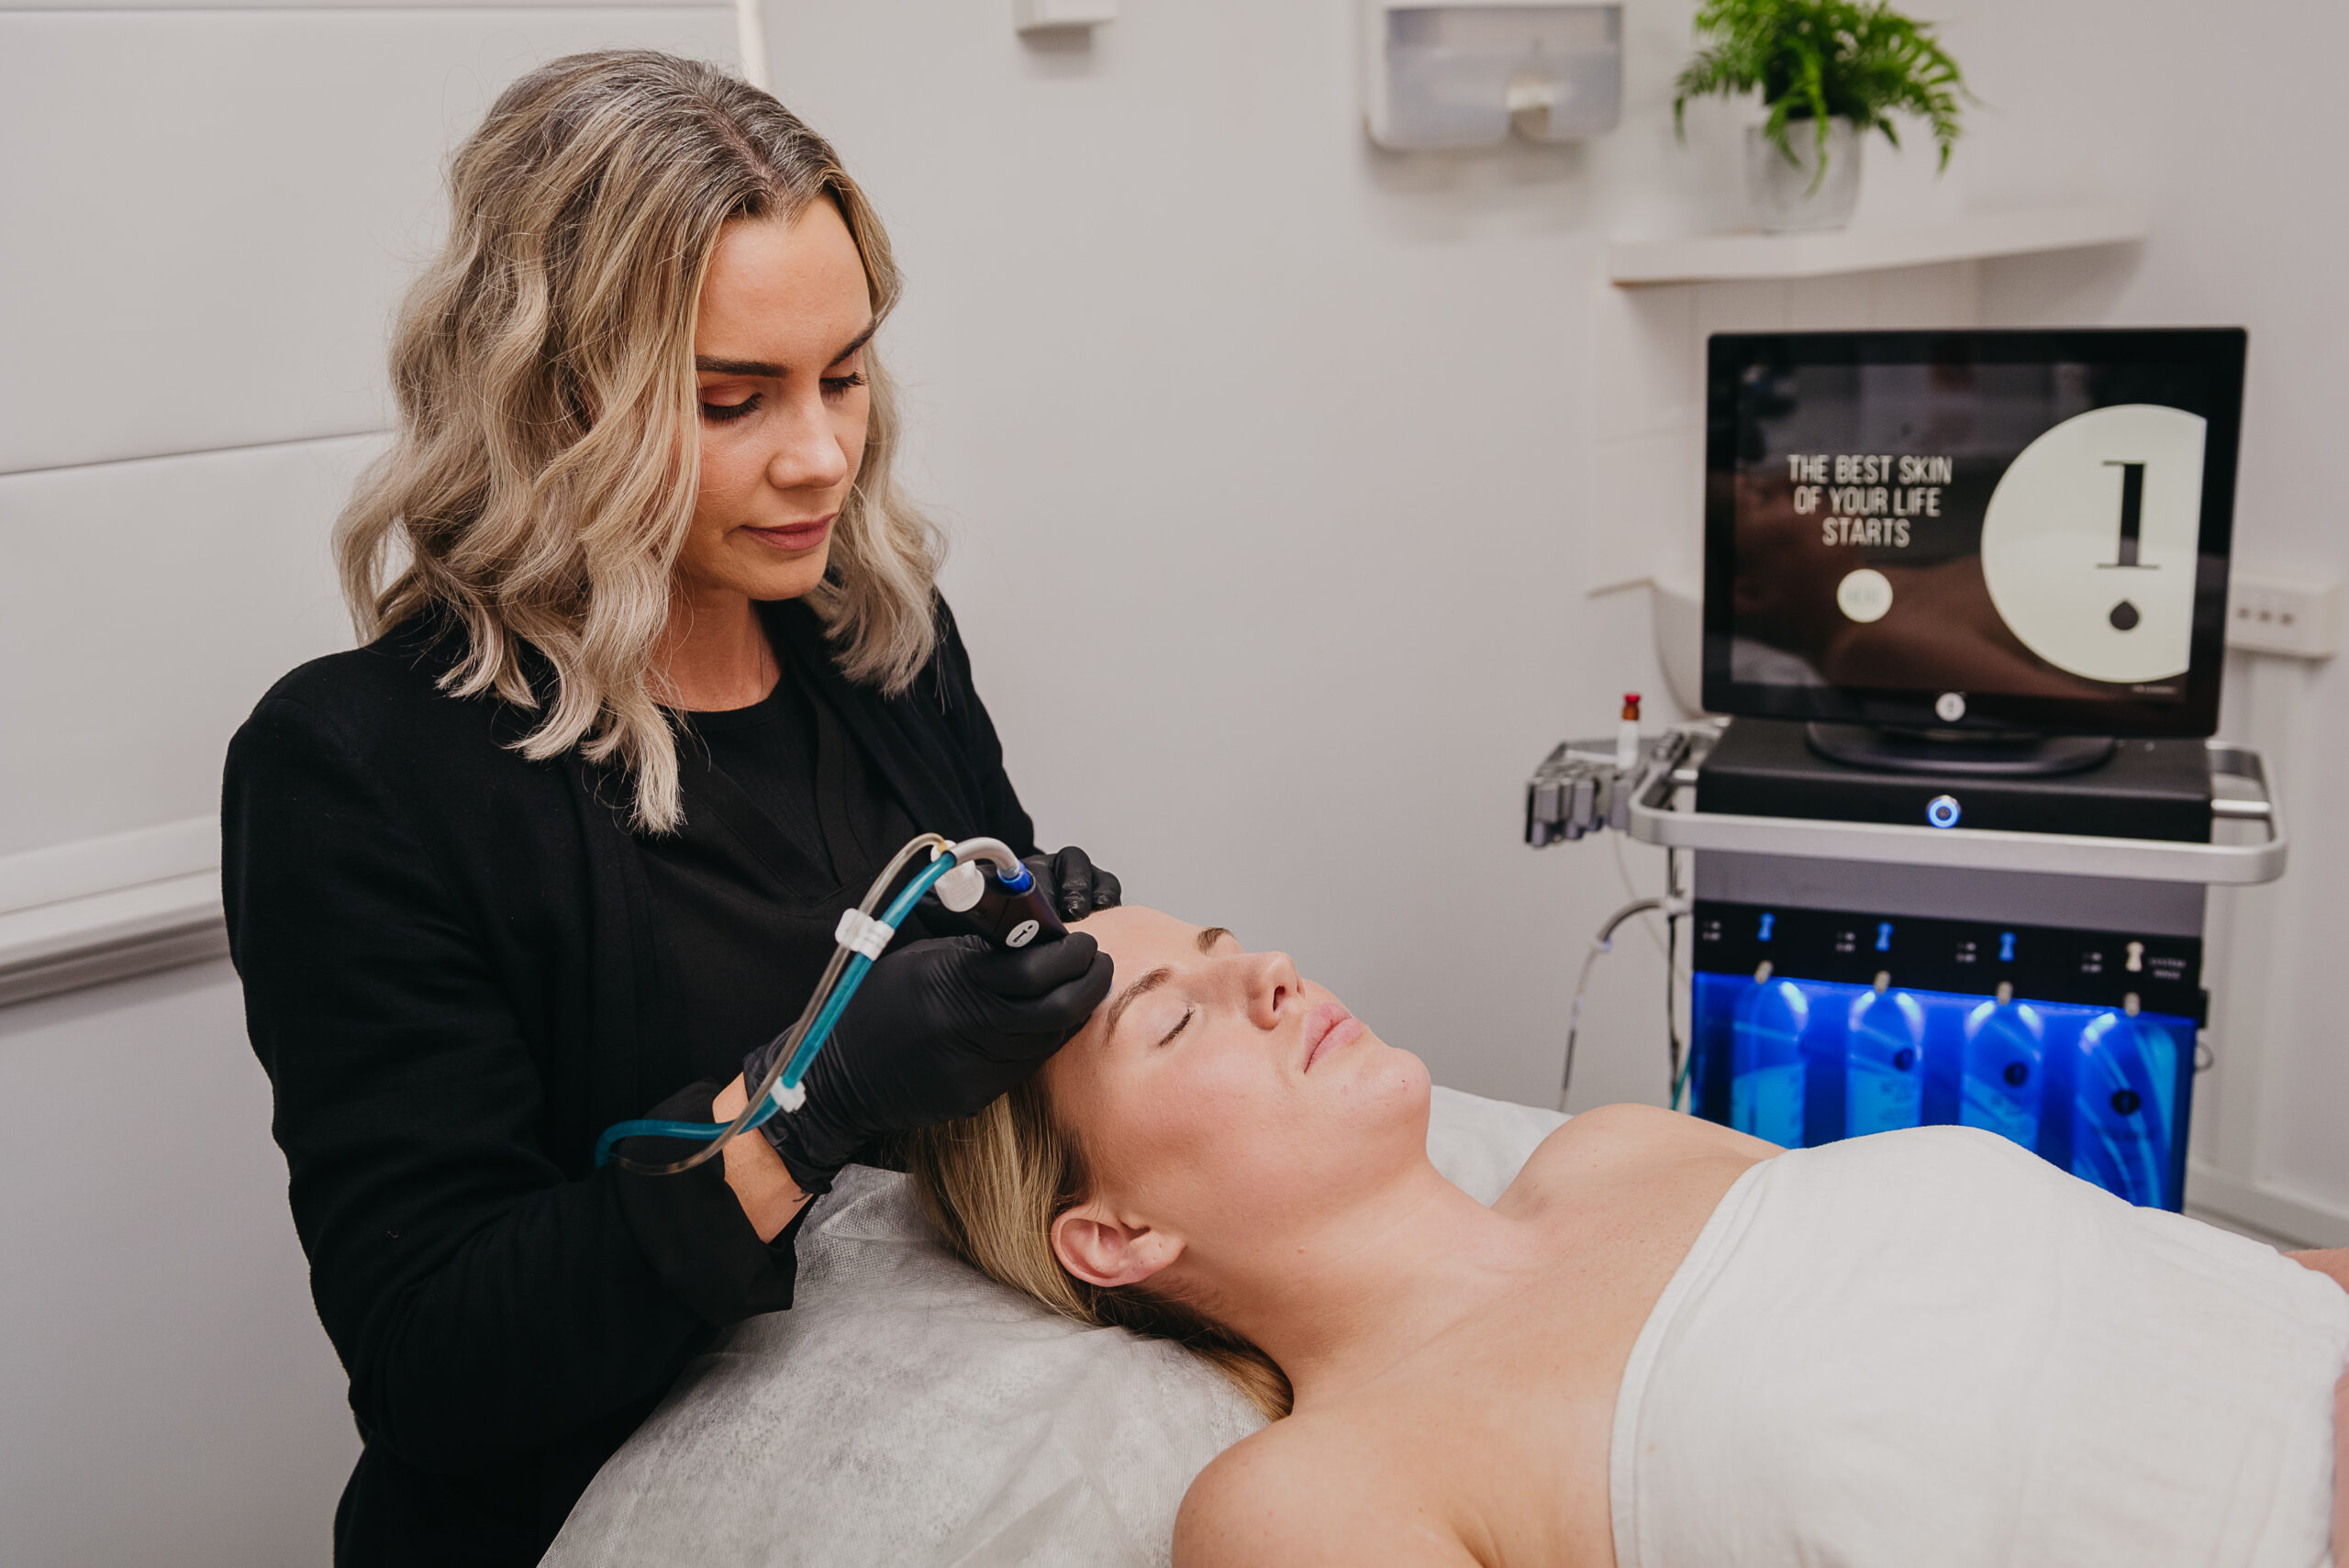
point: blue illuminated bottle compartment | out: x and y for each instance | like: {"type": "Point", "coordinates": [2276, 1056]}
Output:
{"type": "Point", "coordinates": [2096, 1078]}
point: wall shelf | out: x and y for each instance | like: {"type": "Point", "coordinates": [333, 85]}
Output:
{"type": "Point", "coordinates": [1716, 257]}
{"type": "Point", "coordinates": [110, 936]}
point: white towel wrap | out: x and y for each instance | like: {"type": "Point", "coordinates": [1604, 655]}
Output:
{"type": "Point", "coordinates": [1931, 1347]}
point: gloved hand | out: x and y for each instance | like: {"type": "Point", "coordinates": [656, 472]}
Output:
{"type": "Point", "coordinates": [938, 1028]}
{"type": "Point", "coordinates": [1077, 886]}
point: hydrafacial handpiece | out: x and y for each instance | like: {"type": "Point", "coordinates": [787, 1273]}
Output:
{"type": "Point", "coordinates": [1007, 908]}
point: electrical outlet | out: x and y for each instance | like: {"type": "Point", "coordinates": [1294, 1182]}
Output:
{"type": "Point", "coordinates": [2298, 617]}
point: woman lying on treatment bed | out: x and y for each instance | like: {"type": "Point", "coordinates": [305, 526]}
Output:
{"type": "Point", "coordinates": [1668, 1344]}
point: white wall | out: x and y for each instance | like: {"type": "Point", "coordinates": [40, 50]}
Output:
{"type": "Point", "coordinates": [1268, 458]}
{"type": "Point", "coordinates": [1280, 469]}
{"type": "Point", "coordinates": [1282, 466]}
{"type": "Point", "coordinates": [205, 216]}
{"type": "Point", "coordinates": [168, 1396]}
{"type": "Point", "coordinates": [208, 217]}
{"type": "Point", "coordinates": [2224, 120]}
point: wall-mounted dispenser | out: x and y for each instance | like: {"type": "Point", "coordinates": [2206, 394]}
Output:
{"type": "Point", "coordinates": [1466, 72]}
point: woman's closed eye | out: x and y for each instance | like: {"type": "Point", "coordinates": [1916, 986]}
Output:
{"type": "Point", "coordinates": [1180, 1024]}
{"type": "Point", "coordinates": [723, 413]}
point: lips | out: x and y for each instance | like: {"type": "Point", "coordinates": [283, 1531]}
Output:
{"type": "Point", "coordinates": [1327, 1028]}
{"type": "Point", "coordinates": [792, 536]}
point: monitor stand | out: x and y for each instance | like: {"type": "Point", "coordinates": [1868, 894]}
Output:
{"type": "Point", "coordinates": [1959, 751]}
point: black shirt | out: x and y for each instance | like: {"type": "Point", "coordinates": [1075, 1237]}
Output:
{"type": "Point", "coordinates": [786, 824]}
{"type": "Point", "coordinates": [452, 975]}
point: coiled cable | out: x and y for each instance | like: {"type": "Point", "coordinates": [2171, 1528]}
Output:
{"type": "Point", "coordinates": [1673, 907]}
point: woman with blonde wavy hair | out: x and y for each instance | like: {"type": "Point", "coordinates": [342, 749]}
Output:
{"type": "Point", "coordinates": [654, 679]}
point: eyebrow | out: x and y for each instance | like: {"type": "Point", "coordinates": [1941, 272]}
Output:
{"type": "Point", "coordinates": [1206, 941]}
{"type": "Point", "coordinates": [712, 365]}
{"type": "Point", "coordinates": [1126, 997]}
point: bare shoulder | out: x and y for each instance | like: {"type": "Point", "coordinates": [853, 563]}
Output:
{"type": "Point", "coordinates": [1631, 1141]}
{"type": "Point", "coordinates": [1304, 1492]}
{"type": "Point", "coordinates": [1653, 1125]}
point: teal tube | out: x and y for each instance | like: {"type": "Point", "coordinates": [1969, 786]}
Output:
{"type": "Point", "coordinates": [821, 1029]}
{"type": "Point", "coordinates": [844, 991]}
{"type": "Point", "coordinates": [851, 978]}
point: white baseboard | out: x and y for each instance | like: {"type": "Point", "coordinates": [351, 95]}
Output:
{"type": "Point", "coordinates": [2301, 1222]}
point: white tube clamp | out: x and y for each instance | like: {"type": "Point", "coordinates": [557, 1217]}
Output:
{"type": "Point", "coordinates": [961, 888]}
{"type": "Point", "coordinates": [861, 933]}
{"type": "Point", "coordinates": [789, 1099]}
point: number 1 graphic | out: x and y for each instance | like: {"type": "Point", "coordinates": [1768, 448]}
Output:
{"type": "Point", "coordinates": [2125, 616]}
{"type": "Point", "coordinates": [2133, 517]}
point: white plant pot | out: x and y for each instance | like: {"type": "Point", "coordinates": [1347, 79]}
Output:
{"type": "Point", "coordinates": [1784, 198]}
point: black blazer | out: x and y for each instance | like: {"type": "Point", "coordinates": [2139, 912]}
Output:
{"type": "Point", "coordinates": [449, 980]}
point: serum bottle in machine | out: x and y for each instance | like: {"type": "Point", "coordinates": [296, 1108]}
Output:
{"type": "Point", "coordinates": [1627, 735]}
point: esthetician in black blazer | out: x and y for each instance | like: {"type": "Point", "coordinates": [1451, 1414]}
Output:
{"type": "Point", "coordinates": [655, 681]}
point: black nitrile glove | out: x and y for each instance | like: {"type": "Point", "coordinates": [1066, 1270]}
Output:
{"type": "Point", "coordinates": [1077, 886]}
{"type": "Point", "coordinates": [938, 1028]}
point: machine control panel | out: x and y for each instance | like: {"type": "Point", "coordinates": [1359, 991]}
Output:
{"type": "Point", "coordinates": [2149, 789]}
{"type": "Point", "coordinates": [2135, 971]}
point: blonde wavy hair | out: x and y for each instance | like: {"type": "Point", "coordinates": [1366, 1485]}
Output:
{"type": "Point", "coordinates": [993, 1184]}
{"type": "Point", "coordinates": [543, 478]}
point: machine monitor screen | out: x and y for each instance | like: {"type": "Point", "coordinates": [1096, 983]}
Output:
{"type": "Point", "coordinates": [2013, 531]}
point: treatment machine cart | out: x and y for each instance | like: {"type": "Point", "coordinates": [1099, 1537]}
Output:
{"type": "Point", "coordinates": [1965, 597]}
{"type": "Point", "coordinates": [1876, 950]}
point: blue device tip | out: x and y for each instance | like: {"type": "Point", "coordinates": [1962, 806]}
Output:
{"type": "Point", "coordinates": [1019, 881]}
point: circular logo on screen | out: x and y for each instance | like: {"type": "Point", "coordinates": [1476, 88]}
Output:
{"type": "Point", "coordinates": [2088, 543]}
{"type": "Point", "coordinates": [1864, 595]}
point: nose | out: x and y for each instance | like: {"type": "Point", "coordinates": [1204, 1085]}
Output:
{"type": "Point", "coordinates": [808, 455]}
{"type": "Point", "coordinates": [1273, 986]}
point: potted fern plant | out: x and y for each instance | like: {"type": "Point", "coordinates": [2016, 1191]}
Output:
{"type": "Point", "coordinates": [1829, 71]}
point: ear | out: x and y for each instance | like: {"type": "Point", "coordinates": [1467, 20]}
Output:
{"type": "Point", "coordinates": [1101, 1249]}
